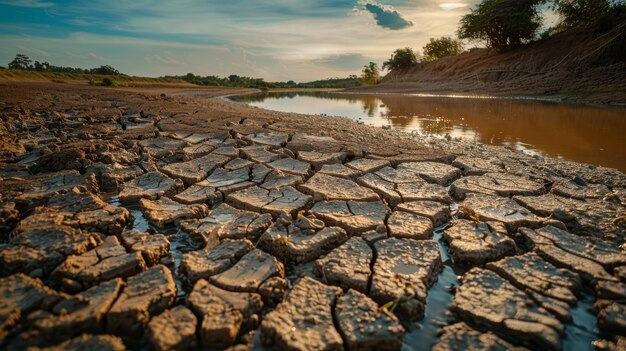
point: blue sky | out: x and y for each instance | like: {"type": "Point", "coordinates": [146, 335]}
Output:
{"type": "Point", "coordinates": [276, 40]}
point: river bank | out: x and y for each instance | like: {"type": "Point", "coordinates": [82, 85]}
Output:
{"type": "Point", "coordinates": [188, 220]}
{"type": "Point", "coordinates": [574, 66]}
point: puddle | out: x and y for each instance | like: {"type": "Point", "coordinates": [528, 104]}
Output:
{"type": "Point", "coordinates": [422, 335]}
{"type": "Point", "coordinates": [180, 241]}
{"type": "Point", "coordinates": [583, 331]}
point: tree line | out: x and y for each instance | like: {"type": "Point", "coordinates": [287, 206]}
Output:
{"type": "Point", "coordinates": [24, 62]}
{"type": "Point", "coordinates": [234, 80]}
{"type": "Point", "coordinates": [505, 25]}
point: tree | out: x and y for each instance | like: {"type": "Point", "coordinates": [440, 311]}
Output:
{"type": "Point", "coordinates": [41, 66]}
{"type": "Point", "coordinates": [371, 73]}
{"type": "Point", "coordinates": [442, 47]}
{"type": "Point", "coordinates": [105, 70]}
{"type": "Point", "coordinates": [401, 59]}
{"type": "Point", "coordinates": [583, 13]}
{"type": "Point", "coordinates": [20, 61]}
{"type": "Point", "coordinates": [503, 24]}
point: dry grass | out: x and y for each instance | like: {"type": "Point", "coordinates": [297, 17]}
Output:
{"type": "Point", "coordinates": [10, 75]}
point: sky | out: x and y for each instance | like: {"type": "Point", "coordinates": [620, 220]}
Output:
{"type": "Point", "coordinates": [278, 40]}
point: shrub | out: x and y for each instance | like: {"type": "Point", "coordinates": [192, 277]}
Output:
{"type": "Point", "coordinates": [401, 59]}
{"type": "Point", "coordinates": [108, 82]}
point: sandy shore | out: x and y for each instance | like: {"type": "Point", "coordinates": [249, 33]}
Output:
{"type": "Point", "coordinates": [167, 218]}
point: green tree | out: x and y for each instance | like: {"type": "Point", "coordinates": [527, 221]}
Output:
{"type": "Point", "coordinates": [442, 47]}
{"type": "Point", "coordinates": [371, 73]}
{"type": "Point", "coordinates": [502, 24]}
{"type": "Point", "coordinates": [401, 59]}
{"type": "Point", "coordinates": [20, 61]}
{"type": "Point", "coordinates": [584, 13]}
{"type": "Point", "coordinates": [105, 70]}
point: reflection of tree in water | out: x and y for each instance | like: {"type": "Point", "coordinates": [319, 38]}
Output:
{"type": "Point", "coordinates": [259, 97]}
{"type": "Point", "coordinates": [370, 105]}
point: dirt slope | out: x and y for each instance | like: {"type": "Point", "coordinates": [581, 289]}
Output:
{"type": "Point", "coordinates": [574, 65]}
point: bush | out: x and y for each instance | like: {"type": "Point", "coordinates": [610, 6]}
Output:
{"type": "Point", "coordinates": [442, 47]}
{"type": "Point", "coordinates": [401, 59]}
{"type": "Point", "coordinates": [108, 82]}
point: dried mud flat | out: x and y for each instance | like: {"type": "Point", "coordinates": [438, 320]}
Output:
{"type": "Point", "coordinates": [167, 219]}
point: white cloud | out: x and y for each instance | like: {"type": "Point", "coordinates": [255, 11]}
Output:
{"type": "Point", "coordinates": [163, 59]}
{"type": "Point", "coordinates": [96, 57]}
{"type": "Point", "coordinates": [452, 5]}
{"type": "Point", "coordinates": [33, 51]}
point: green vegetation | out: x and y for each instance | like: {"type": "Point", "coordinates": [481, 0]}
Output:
{"type": "Point", "coordinates": [502, 24]}
{"type": "Point", "coordinates": [442, 47]}
{"type": "Point", "coordinates": [371, 73]}
{"type": "Point", "coordinates": [23, 62]}
{"type": "Point", "coordinates": [247, 82]}
{"type": "Point", "coordinates": [20, 61]}
{"type": "Point", "coordinates": [108, 82]}
{"type": "Point", "coordinates": [401, 59]}
{"type": "Point", "coordinates": [584, 13]}
{"type": "Point", "coordinates": [330, 83]}
{"type": "Point", "coordinates": [507, 24]}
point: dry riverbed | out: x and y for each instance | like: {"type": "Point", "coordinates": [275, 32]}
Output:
{"type": "Point", "coordinates": [164, 219]}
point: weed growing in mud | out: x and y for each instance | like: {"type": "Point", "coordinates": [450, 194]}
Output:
{"type": "Point", "coordinates": [108, 82]}
{"type": "Point", "coordinates": [407, 295]}
{"type": "Point", "coordinates": [466, 212]}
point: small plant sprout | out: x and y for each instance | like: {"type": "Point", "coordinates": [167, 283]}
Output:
{"type": "Point", "coordinates": [283, 240]}
{"type": "Point", "coordinates": [467, 212]}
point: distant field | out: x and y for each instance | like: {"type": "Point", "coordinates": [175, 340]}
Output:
{"type": "Point", "coordinates": [10, 75]}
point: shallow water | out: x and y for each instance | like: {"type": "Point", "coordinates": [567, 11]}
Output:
{"type": "Point", "coordinates": [588, 134]}
{"type": "Point", "coordinates": [180, 241]}
{"type": "Point", "coordinates": [421, 334]}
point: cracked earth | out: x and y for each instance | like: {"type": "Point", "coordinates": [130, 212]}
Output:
{"type": "Point", "coordinates": [163, 219]}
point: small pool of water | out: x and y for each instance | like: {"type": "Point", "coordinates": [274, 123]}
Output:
{"type": "Point", "coordinates": [588, 134]}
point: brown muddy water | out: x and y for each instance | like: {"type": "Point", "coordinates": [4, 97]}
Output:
{"type": "Point", "coordinates": [588, 134]}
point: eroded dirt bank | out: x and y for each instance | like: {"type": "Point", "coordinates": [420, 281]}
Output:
{"type": "Point", "coordinates": [172, 220]}
{"type": "Point", "coordinates": [576, 66]}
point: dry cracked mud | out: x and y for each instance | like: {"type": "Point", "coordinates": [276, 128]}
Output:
{"type": "Point", "coordinates": [161, 219]}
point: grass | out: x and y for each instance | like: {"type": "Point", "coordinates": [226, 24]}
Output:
{"type": "Point", "coordinates": [10, 75]}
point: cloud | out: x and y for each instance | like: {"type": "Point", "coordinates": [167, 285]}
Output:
{"type": "Point", "coordinates": [27, 3]}
{"type": "Point", "coordinates": [163, 59]}
{"type": "Point", "coordinates": [96, 57]}
{"type": "Point", "coordinates": [452, 5]}
{"type": "Point", "coordinates": [386, 16]}
{"type": "Point", "coordinates": [33, 50]}
{"type": "Point", "coordinates": [342, 61]}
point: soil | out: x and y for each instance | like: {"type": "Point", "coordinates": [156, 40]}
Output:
{"type": "Point", "coordinates": [152, 218]}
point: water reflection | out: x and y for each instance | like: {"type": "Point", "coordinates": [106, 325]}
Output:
{"type": "Point", "coordinates": [587, 134]}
